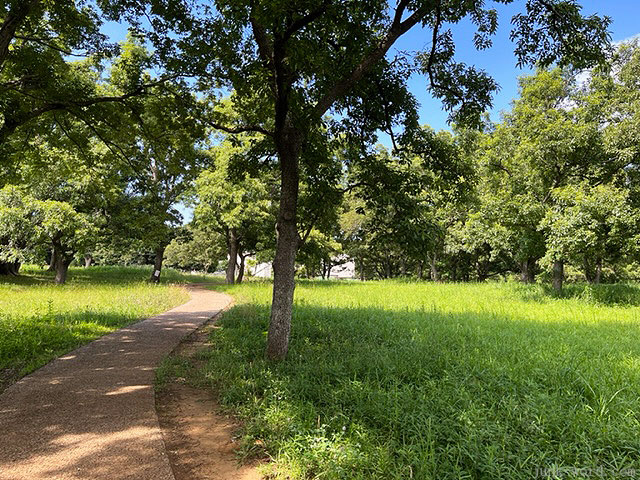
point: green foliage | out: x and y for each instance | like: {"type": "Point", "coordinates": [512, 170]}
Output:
{"type": "Point", "coordinates": [37, 223]}
{"type": "Point", "coordinates": [195, 249]}
{"type": "Point", "coordinates": [435, 381]}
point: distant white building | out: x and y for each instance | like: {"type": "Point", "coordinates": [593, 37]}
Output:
{"type": "Point", "coordinates": [343, 271]}
{"type": "Point", "coordinates": [262, 270]}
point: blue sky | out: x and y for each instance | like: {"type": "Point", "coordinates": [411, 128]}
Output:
{"type": "Point", "coordinates": [498, 61]}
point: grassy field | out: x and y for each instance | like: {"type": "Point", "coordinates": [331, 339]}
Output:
{"type": "Point", "coordinates": [40, 321]}
{"type": "Point", "coordinates": [391, 380]}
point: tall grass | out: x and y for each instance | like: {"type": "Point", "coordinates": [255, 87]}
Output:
{"type": "Point", "coordinates": [397, 380]}
{"type": "Point", "coordinates": [40, 321]}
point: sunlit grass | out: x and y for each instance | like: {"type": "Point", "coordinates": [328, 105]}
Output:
{"type": "Point", "coordinates": [40, 321]}
{"type": "Point", "coordinates": [437, 381]}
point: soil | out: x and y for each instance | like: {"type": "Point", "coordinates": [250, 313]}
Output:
{"type": "Point", "coordinates": [200, 440]}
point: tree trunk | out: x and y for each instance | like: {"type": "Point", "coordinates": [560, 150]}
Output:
{"type": "Point", "coordinates": [387, 268]}
{"type": "Point", "coordinates": [157, 265]}
{"type": "Point", "coordinates": [433, 263]}
{"type": "Point", "coordinates": [241, 269]}
{"type": "Point", "coordinates": [232, 251]}
{"type": "Point", "coordinates": [557, 275]}
{"type": "Point", "coordinates": [598, 275]}
{"type": "Point", "coordinates": [403, 268]}
{"type": "Point", "coordinates": [288, 143]}
{"type": "Point", "coordinates": [9, 268]}
{"type": "Point", "coordinates": [527, 272]}
{"type": "Point", "coordinates": [419, 271]}
{"type": "Point", "coordinates": [53, 259]}
{"type": "Point", "coordinates": [88, 261]}
{"type": "Point", "coordinates": [62, 267]}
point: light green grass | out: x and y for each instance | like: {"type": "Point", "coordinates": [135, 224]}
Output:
{"type": "Point", "coordinates": [390, 380]}
{"type": "Point", "coordinates": [40, 321]}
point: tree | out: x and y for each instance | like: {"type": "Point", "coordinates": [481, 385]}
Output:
{"type": "Point", "coordinates": [38, 82]}
{"type": "Point", "coordinates": [235, 204]}
{"type": "Point", "coordinates": [548, 141]}
{"type": "Point", "coordinates": [195, 249]}
{"type": "Point", "coordinates": [33, 223]}
{"type": "Point", "coordinates": [590, 226]}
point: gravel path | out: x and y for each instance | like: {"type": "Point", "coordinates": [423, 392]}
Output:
{"type": "Point", "coordinates": [90, 414]}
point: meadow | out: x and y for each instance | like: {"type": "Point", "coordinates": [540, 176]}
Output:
{"type": "Point", "coordinates": [40, 321]}
{"type": "Point", "coordinates": [391, 380]}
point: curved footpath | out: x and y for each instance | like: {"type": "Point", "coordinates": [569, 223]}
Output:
{"type": "Point", "coordinates": [90, 414]}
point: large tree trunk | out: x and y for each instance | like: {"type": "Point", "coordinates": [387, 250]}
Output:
{"type": "Point", "coordinates": [241, 269]}
{"type": "Point", "coordinates": [387, 268]}
{"type": "Point", "coordinates": [9, 268]}
{"type": "Point", "coordinates": [157, 265]}
{"type": "Point", "coordinates": [419, 271]}
{"type": "Point", "coordinates": [557, 275]}
{"type": "Point", "coordinates": [288, 142]}
{"type": "Point", "coordinates": [62, 267]}
{"type": "Point", "coordinates": [232, 251]}
{"type": "Point", "coordinates": [88, 260]}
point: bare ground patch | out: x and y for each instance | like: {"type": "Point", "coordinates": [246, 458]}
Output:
{"type": "Point", "coordinates": [200, 440]}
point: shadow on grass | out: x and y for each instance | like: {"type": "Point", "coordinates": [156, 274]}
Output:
{"type": "Point", "coordinates": [622, 294]}
{"type": "Point", "coordinates": [113, 275]}
{"type": "Point", "coordinates": [374, 393]}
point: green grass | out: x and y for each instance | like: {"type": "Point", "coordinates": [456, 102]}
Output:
{"type": "Point", "coordinates": [40, 321]}
{"type": "Point", "coordinates": [391, 380]}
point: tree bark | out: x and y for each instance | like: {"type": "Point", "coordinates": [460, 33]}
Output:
{"type": "Point", "coordinates": [557, 275]}
{"type": "Point", "coordinates": [88, 261]}
{"type": "Point", "coordinates": [53, 260]}
{"type": "Point", "coordinates": [288, 142]}
{"type": "Point", "coordinates": [435, 273]}
{"type": "Point", "coordinates": [10, 268]}
{"type": "Point", "coordinates": [232, 251]}
{"type": "Point", "coordinates": [157, 265]}
{"type": "Point", "coordinates": [241, 269]}
{"type": "Point", "coordinates": [527, 270]}
{"type": "Point", "coordinates": [419, 271]}
{"type": "Point", "coordinates": [598, 275]}
{"type": "Point", "coordinates": [62, 267]}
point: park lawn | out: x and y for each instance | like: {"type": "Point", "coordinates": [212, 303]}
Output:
{"type": "Point", "coordinates": [391, 380]}
{"type": "Point", "coordinates": [40, 321]}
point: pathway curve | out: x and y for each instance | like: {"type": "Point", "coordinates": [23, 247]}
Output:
{"type": "Point", "coordinates": [90, 414]}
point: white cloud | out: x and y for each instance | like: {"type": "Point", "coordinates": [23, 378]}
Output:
{"type": "Point", "coordinates": [626, 40]}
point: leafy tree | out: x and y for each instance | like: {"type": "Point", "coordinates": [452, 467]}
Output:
{"type": "Point", "coordinates": [549, 140]}
{"type": "Point", "coordinates": [235, 205]}
{"type": "Point", "coordinates": [39, 84]}
{"type": "Point", "coordinates": [590, 226]}
{"type": "Point", "coordinates": [195, 249]}
{"type": "Point", "coordinates": [34, 223]}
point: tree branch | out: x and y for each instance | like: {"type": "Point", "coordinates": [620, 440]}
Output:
{"type": "Point", "coordinates": [305, 20]}
{"type": "Point", "coordinates": [398, 28]}
{"type": "Point", "coordinates": [239, 129]}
